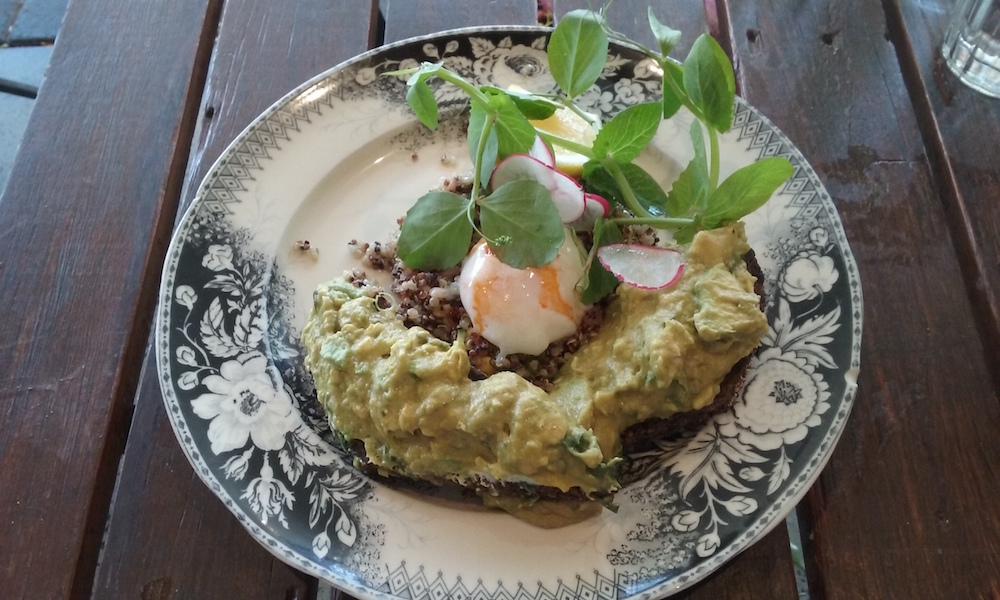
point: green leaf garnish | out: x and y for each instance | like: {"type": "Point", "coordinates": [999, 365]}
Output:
{"type": "Point", "coordinates": [666, 37]}
{"type": "Point", "coordinates": [531, 106]}
{"type": "Point", "coordinates": [420, 74]}
{"type": "Point", "coordinates": [421, 100]}
{"type": "Point", "coordinates": [479, 117]}
{"type": "Point", "coordinates": [746, 190]}
{"type": "Point", "coordinates": [690, 192]}
{"type": "Point", "coordinates": [600, 281]}
{"type": "Point", "coordinates": [685, 234]}
{"type": "Point", "coordinates": [672, 94]}
{"type": "Point", "coordinates": [519, 220]}
{"type": "Point", "coordinates": [710, 83]}
{"type": "Point", "coordinates": [522, 215]}
{"type": "Point", "coordinates": [647, 191]}
{"type": "Point", "coordinates": [419, 95]}
{"type": "Point", "coordinates": [577, 51]}
{"type": "Point", "coordinates": [514, 133]}
{"type": "Point", "coordinates": [436, 232]}
{"type": "Point", "coordinates": [628, 132]}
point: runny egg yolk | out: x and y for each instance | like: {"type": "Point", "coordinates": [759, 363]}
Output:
{"type": "Point", "coordinates": [523, 310]}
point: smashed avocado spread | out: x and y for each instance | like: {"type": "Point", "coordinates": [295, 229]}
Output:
{"type": "Point", "coordinates": [408, 396]}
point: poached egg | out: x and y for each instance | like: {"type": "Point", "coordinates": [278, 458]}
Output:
{"type": "Point", "coordinates": [523, 310]}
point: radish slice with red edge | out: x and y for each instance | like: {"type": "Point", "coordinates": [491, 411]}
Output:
{"type": "Point", "coordinates": [566, 193]}
{"type": "Point", "coordinates": [644, 267]}
{"type": "Point", "coordinates": [595, 207]}
{"type": "Point", "coordinates": [542, 152]}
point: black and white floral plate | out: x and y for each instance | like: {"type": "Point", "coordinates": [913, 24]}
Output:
{"type": "Point", "coordinates": [341, 158]}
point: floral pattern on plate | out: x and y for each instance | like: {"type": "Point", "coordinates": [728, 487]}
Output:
{"type": "Point", "coordinates": [245, 412]}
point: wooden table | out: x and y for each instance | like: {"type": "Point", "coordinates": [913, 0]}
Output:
{"type": "Point", "coordinates": [96, 497]}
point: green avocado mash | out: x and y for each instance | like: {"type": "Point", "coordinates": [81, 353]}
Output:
{"type": "Point", "coordinates": [409, 398]}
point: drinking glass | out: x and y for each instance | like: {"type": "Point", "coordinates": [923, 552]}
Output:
{"type": "Point", "coordinates": [971, 46]}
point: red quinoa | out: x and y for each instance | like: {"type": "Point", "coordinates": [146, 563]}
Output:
{"type": "Point", "coordinates": [430, 299]}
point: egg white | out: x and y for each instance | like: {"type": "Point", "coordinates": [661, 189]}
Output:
{"type": "Point", "coordinates": [523, 310]}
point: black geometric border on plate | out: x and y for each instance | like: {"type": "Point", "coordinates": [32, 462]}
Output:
{"type": "Point", "coordinates": [250, 152]}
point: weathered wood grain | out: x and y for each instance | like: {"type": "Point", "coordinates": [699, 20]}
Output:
{"type": "Point", "coordinates": [409, 18]}
{"type": "Point", "coordinates": [910, 156]}
{"type": "Point", "coordinates": [905, 507]}
{"type": "Point", "coordinates": [169, 536]}
{"type": "Point", "coordinates": [763, 571]}
{"type": "Point", "coordinates": [960, 129]}
{"type": "Point", "coordinates": [35, 21]}
{"type": "Point", "coordinates": [79, 224]}
{"type": "Point", "coordinates": [8, 12]}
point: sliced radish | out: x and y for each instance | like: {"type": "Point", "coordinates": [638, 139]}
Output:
{"type": "Point", "coordinates": [644, 267]}
{"type": "Point", "coordinates": [542, 152]}
{"type": "Point", "coordinates": [568, 197]}
{"type": "Point", "coordinates": [566, 193]}
{"type": "Point", "coordinates": [595, 207]}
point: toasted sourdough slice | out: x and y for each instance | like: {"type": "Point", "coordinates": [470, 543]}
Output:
{"type": "Point", "coordinates": [644, 435]}
{"type": "Point", "coordinates": [636, 438]}
{"type": "Point", "coordinates": [404, 406]}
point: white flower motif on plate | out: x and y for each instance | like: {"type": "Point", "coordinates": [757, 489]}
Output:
{"type": "Point", "coordinates": [244, 402]}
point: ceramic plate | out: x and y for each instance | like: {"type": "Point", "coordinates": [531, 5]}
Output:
{"type": "Point", "coordinates": [341, 158]}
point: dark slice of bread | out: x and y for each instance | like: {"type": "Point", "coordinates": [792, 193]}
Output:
{"type": "Point", "coordinates": [643, 436]}
{"type": "Point", "coordinates": [638, 437]}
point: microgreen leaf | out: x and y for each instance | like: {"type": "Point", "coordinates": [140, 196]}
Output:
{"type": "Point", "coordinates": [514, 133]}
{"type": "Point", "coordinates": [426, 70]}
{"type": "Point", "coordinates": [647, 191]}
{"type": "Point", "coordinates": [421, 99]}
{"type": "Point", "coordinates": [666, 37]}
{"type": "Point", "coordinates": [436, 232]}
{"type": "Point", "coordinates": [577, 51]}
{"type": "Point", "coordinates": [531, 106]}
{"type": "Point", "coordinates": [628, 132]}
{"type": "Point", "coordinates": [478, 119]}
{"type": "Point", "coordinates": [522, 214]}
{"type": "Point", "coordinates": [419, 95]}
{"type": "Point", "coordinates": [600, 281]}
{"type": "Point", "coordinates": [685, 234]}
{"type": "Point", "coordinates": [746, 190]}
{"type": "Point", "coordinates": [672, 101]}
{"type": "Point", "coordinates": [690, 192]}
{"type": "Point", "coordinates": [709, 82]}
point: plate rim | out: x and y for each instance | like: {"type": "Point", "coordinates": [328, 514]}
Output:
{"type": "Point", "coordinates": [279, 549]}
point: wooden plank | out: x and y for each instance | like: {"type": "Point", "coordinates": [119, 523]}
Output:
{"type": "Point", "coordinates": [169, 537]}
{"type": "Point", "coordinates": [81, 222]}
{"type": "Point", "coordinates": [960, 128]}
{"type": "Point", "coordinates": [37, 21]}
{"type": "Point", "coordinates": [8, 12]}
{"type": "Point", "coordinates": [905, 507]}
{"type": "Point", "coordinates": [409, 18]}
{"type": "Point", "coordinates": [765, 569]}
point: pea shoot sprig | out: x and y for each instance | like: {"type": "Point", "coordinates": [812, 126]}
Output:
{"type": "Point", "coordinates": [519, 220]}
